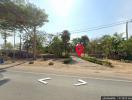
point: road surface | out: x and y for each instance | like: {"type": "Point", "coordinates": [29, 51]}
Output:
{"type": "Point", "coordinates": [21, 85]}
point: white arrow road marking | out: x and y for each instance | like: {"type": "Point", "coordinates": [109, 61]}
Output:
{"type": "Point", "coordinates": [43, 80]}
{"type": "Point", "coordinates": [82, 82]}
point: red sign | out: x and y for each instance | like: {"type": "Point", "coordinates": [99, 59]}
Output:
{"type": "Point", "coordinates": [79, 49]}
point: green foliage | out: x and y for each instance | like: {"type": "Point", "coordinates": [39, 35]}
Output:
{"type": "Point", "coordinates": [84, 40]}
{"type": "Point", "coordinates": [127, 48]}
{"type": "Point", "coordinates": [24, 17]}
{"type": "Point", "coordinates": [40, 39]}
{"type": "Point", "coordinates": [4, 34]}
{"type": "Point", "coordinates": [56, 47]}
{"type": "Point", "coordinates": [65, 39]}
{"type": "Point", "coordinates": [67, 60]}
{"type": "Point", "coordinates": [8, 46]}
{"type": "Point", "coordinates": [97, 61]}
{"type": "Point", "coordinates": [65, 36]}
{"type": "Point", "coordinates": [113, 47]}
{"type": "Point", "coordinates": [75, 41]}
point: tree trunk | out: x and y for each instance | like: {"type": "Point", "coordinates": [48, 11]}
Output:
{"type": "Point", "coordinates": [20, 47]}
{"type": "Point", "coordinates": [5, 43]}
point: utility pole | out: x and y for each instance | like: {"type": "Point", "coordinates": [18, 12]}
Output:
{"type": "Point", "coordinates": [127, 22]}
{"type": "Point", "coordinates": [127, 30]}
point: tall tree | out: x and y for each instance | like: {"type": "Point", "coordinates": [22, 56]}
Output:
{"type": "Point", "coordinates": [56, 47]}
{"type": "Point", "coordinates": [27, 17]}
{"type": "Point", "coordinates": [66, 38]}
{"type": "Point", "coordinates": [75, 41]}
{"type": "Point", "coordinates": [5, 35]}
{"type": "Point", "coordinates": [84, 41]}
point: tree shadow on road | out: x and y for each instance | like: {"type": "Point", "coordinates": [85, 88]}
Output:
{"type": "Point", "coordinates": [11, 66]}
{"type": "Point", "coordinates": [2, 71]}
{"type": "Point", "coordinates": [3, 81]}
{"type": "Point", "coordinates": [1, 75]}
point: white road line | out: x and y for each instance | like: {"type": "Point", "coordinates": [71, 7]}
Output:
{"type": "Point", "coordinates": [43, 80]}
{"type": "Point", "coordinates": [71, 76]}
{"type": "Point", "coordinates": [82, 82]}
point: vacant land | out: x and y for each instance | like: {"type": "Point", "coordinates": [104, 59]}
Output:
{"type": "Point", "coordinates": [78, 67]}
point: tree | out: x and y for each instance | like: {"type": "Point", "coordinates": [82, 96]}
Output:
{"type": "Point", "coordinates": [20, 2]}
{"type": "Point", "coordinates": [84, 41]}
{"type": "Point", "coordinates": [37, 19]}
{"type": "Point", "coordinates": [5, 35]}
{"type": "Point", "coordinates": [127, 49]}
{"type": "Point", "coordinates": [75, 41]}
{"type": "Point", "coordinates": [56, 47]}
{"type": "Point", "coordinates": [22, 17]}
{"type": "Point", "coordinates": [8, 46]}
{"type": "Point", "coordinates": [95, 48]}
{"type": "Point", "coordinates": [40, 39]}
{"type": "Point", "coordinates": [65, 38]}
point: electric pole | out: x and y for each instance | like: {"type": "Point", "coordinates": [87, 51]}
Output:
{"type": "Point", "coordinates": [127, 36]}
{"type": "Point", "coordinates": [126, 30]}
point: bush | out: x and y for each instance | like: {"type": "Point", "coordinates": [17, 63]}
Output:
{"type": "Point", "coordinates": [97, 61]}
{"type": "Point", "coordinates": [50, 63]}
{"type": "Point", "coordinates": [31, 62]}
{"type": "Point", "coordinates": [67, 61]}
{"type": "Point", "coordinates": [65, 56]}
{"type": "Point", "coordinates": [106, 63]}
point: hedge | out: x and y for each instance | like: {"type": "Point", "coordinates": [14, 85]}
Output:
{"type": "Point", "coordinates": [97, 61]}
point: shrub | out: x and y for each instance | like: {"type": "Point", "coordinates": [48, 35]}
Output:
{"type": "Point", "coordinates": [97, 61]}
{"type": "Point", "coordinates": [106, 63]}
{"type": "Point", "coordinates": [31, 62]}
{"type": "Point", "coordinates": [50, 63]}
{"type": "Point", "coordinates": [67, 60]}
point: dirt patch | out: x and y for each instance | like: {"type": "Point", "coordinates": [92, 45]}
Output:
{"type": "Point", "coordinates": [121, 67]}
{"type": "Point", "coordinates": [81, 67]}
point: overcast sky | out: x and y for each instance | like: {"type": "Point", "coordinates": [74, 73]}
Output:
{"type": "Point", "coordinates": [82, 14]}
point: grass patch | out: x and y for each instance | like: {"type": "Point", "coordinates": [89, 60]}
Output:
{"type": "Point", "coordinates": [97, 61]}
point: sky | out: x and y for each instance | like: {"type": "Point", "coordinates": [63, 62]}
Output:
{"type": "Point", "coordinates": [75, 15]}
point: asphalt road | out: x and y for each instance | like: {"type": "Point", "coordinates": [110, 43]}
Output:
{"type": "Point", "coordinates": [18, 85]}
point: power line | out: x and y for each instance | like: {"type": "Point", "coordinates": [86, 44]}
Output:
{"type": "Point", "coordinates": [101, 27]}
